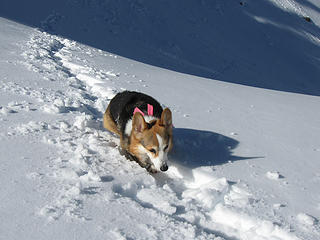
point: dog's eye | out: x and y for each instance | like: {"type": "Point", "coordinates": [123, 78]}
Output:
{"type": "Point", "coordinates": [166, 147]}
{"type": "Point", "coordinates": [152, 150]}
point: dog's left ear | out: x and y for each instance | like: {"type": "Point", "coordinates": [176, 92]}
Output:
{"type": "Point", "coordinates": [166, 118]}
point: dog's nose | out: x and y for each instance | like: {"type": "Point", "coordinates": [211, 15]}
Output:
{"type": "Point", "coordinates": [164, 168]}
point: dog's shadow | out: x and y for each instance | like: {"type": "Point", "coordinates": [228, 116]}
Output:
{"type": "Point", "coordinates": [196, 148]}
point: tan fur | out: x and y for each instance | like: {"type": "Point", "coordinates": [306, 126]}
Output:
{"type": "Point", "coordinates": [140, 133]}
{"type": "Point", "coordinates": [162, 127]}
{"type": "Point", "coordinates": [108, 122]}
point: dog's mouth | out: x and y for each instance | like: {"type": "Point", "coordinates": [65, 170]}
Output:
{"type": "Point", "coordinates": [160, 165]}
{"type": "Point", "coordinates": [159, 162]}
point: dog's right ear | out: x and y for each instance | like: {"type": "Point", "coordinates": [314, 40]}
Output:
{"type": "Point", "coordinates": [138, 124]}
{"type": "Point", "coordinates": [166, 118]}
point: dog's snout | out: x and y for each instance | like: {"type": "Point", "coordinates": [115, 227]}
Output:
{"type": "Point", "coordinates": [164, 168]}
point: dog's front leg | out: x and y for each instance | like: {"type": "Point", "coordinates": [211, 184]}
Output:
{"type": "Point", "coordinates": [144, 163]}
{"type": "Point", "coordinates": [147, 164]}
{"type": "Point", "coordinates": [150, 168]}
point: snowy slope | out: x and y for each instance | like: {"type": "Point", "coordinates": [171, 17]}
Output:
{"type": "Point", "coordinates": [265, 43]}
{"type": "Point", "coordinates": [245, 163]}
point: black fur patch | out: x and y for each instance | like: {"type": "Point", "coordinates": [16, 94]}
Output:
{"type": "Point", "coordinates": [151, 124]}
{"type": "Point", "coordinates": [124, 103]}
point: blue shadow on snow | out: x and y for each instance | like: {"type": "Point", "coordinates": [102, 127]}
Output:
{"type": "Point", "coordinates": [253, 43]}
{"type": "Point", "coordinates": [197, 148]}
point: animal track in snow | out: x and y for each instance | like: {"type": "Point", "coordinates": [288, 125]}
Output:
{"type": "Point", "coordinates": [195, 199]}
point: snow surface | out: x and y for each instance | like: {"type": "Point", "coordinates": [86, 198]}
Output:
{"type": "Point", "coordinates": [245, 163]}
{"type": "Point", "coordinates": [265, 43]}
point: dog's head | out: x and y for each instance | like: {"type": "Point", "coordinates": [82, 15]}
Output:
{"type": "Point", "coordinates": [152, 140]}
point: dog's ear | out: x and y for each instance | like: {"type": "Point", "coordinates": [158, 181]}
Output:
{"type": "Point", "coordinates": [138, 124]}
{"type": "Point", "coordinates": [166, 118]}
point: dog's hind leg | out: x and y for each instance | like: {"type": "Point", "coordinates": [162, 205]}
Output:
{"type": "Point", "coordinates": [109, 123]}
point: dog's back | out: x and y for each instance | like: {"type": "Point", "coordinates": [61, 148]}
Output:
{"type": "Point", "coordinates": [122, 106]}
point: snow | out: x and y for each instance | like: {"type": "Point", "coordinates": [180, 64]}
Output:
{"type": "Point", "coordinates": [238, 43]}
{"type": "Point", "coordinates": [306, 219]}
{"type": "Point", "coordinates": [245, 161]}
{"type": "Point", "coordinates": [273, 175]}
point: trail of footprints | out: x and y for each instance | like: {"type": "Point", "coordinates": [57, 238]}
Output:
{"type": "Point", "coordinates": [90, 166]}
{"type": "Point", "coordinates": [90, 160]}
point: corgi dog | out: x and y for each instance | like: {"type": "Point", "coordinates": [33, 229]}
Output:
{"type": "Point", "coordinates": [145, 129]}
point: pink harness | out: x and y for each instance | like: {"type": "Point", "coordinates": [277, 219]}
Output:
{"type": "Point", "coordinates": [150, 110]}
